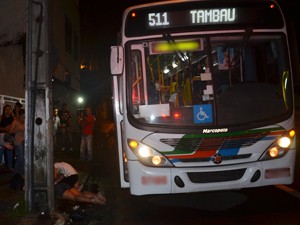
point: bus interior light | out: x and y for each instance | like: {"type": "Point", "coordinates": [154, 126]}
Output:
{"type": "Point", "coordinates": [179, 45]}
{"type": "Point", "coordinates": [177, 115]}
{"type": "Point", "coordinates": [152, 117]}
{"type": "Point", "coordinates": [164, 116]}
{"type": "Point", "coordinates": [174, 64]}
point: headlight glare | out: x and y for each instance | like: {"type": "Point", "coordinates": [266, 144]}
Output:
{"type": "Point", "coordinates": [273, 152]}
{"type": "Point", "coordinates": [284, 142]}
{"type": "Point", "coordinates": [147, 155]}
{"type": "Point", "coordinates": [280, 147]}
{"type": "Point", "coordinates": [144, 151]}
{"type": "Point", "coordinates": [156, 160]}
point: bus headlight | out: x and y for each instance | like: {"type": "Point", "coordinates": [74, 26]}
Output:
{"type": "Point", "coordinates": [147, 155]}
{"type": "Point", "coordinates": [280, 147]}
{"type": "Point", "coordinates": [284, 142]}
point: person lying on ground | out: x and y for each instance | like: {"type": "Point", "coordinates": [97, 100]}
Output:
{"type": "Point", "coordinates": [66, 185]}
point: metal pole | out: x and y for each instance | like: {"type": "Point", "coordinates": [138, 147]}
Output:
{"type": "Point", "coordinates": [39, 194]}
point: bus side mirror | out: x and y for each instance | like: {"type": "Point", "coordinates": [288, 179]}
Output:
{"type": "Point", "coordinates": [116, 60]}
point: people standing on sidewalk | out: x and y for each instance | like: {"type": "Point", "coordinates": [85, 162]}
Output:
{"type": "Point", "coordinates": [17, 130]}
{"type": "Point", "coordinates": [6, 120]}
{"type": "Point", "coordinates": [4, 143]}
{"type": "Point", "coordinates": [18, 106]}
{"type": "Point", "coordinates": [86, 123]}
{"type": "Point", "coordinates": [56, 126]}
{"type": "Point", "coordinates": [66, 185]}
{"type": "Point", "coordinates": [65, 128]}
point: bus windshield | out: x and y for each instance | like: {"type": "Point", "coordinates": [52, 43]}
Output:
{"type": "Point", "coordinates": [211, 80]}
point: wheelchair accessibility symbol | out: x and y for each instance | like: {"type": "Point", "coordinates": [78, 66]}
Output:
{"type": "Point", "coordinates": [203, 113]}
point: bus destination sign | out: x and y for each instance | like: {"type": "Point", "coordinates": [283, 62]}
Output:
{"type": "Point", "coordinates": [204, 16]}
{"type": "Point", "coordinates": [193, 17]}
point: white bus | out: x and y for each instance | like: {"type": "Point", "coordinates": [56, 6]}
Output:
{"type": "Point", "coordinates": [203, 97]}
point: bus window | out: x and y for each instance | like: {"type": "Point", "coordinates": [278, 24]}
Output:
{"type": "Point", "coordinates": [247, 86]}
{"type": "Point", "coordinates": [137, 88]}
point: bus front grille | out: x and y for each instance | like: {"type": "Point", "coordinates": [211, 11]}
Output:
{"type": "Point", "coordinates": [217, 176]}
{"type": "Point", "coordinates": [200, 143]}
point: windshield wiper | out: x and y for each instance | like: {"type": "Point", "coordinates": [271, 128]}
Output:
{"type": "Point", "coordinates": [246, 37]}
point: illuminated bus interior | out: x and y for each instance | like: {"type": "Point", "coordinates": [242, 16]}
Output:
{"type": "Point", "coordinates": [211, 80]}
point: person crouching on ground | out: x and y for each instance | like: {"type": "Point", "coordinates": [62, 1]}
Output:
{"type": "Point", "coordinates": [67, 186]}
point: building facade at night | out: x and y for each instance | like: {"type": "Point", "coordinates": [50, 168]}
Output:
{"type": "Point", "coordinates": [64, 50]}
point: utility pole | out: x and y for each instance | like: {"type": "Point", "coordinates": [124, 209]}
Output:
{"type": "Point", "coordinates": [39, 193]}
